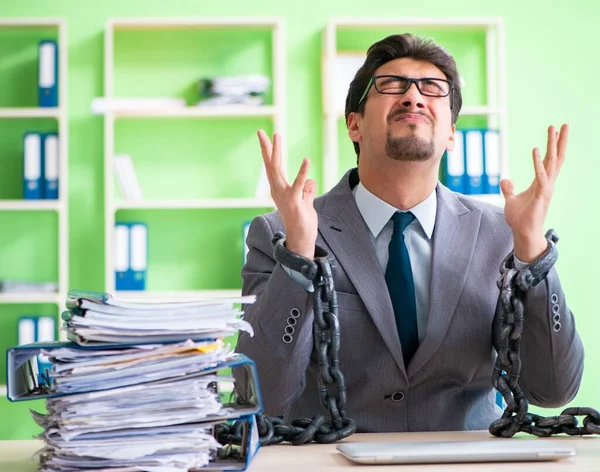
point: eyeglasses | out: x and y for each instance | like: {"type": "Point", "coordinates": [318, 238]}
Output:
{"type": "Point", "coordinates": [397, 85]}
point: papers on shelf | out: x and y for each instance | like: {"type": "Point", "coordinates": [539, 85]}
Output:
{"type": "Point", "coordinates": [127, 180]}
{"type": "Point", "coordinates": [20, 286]}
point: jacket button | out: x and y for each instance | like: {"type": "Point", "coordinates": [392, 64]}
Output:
{"type": "Point", "coordinates": [397, 396]}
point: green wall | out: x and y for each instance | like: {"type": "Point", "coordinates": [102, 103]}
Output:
{"type": "Point", "coordinates": [551, 54]}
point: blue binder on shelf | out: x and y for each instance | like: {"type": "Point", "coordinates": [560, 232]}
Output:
{"type": "Point", "coordinates": [454, 165]}
{"type": "Point", "coordinates": [131, 256]}
{"type": "Point", "coordinates": [51, 166]}
{"type": "Point", "coordinates": [48, 74]}
{"type": "Point", "coordinates": [33, 160]}
{"type": "Point", "coordinates": [474, 161]}
{"type": "Point", "coordinates": [491, 158]}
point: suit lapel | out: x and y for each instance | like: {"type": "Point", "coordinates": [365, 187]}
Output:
{"type": "Point", "coordinates": [454, 238]}
{"type": "Point", "coordinates": [353, 249]}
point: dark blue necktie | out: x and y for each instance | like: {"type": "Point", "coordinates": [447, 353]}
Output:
{"type": "Point", "coordinates": [398, 275]}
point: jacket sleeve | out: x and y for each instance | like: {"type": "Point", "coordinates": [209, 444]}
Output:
{"type": "Point", "coordinates": [281, 302]}
{"type": "Point", "coordinates": [552, 353]}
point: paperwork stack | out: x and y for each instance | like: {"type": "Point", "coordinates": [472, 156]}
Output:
{"type": "Point", "coordinates": [234, 90]}
{"type": "Point", "coordinates": [140, 387]}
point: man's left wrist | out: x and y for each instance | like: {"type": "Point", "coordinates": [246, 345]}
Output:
{"type": "Point", "coordinates": [529, 248]}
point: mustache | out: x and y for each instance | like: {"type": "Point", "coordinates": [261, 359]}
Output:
{"type": "Point", "coordinates": [393, 115]}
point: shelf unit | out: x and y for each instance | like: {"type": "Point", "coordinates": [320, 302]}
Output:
{"type": "Point", "coordinates": [494, 110]}
{"type": "Point", "coordinates": [275, 112]}
{"type": "Point", "coordinates": [60, 206]}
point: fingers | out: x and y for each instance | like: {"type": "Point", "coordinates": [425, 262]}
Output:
{"type": "Point", "coordinates": [309, 191]}
{"type": "Point", "coordinates": [272, 159]}
{"type": "Point", "coordinates": [300, 179]}
{"type": "Point", "coordinates": [550, 158]}
{"type": "Point", "coordinates": [508, 188]}
{"type": "Point", "coordinates": [541, 177]}
{"type": "Point", "coordinates": [563, 138]}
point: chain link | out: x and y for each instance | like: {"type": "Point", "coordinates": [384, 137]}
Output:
{"type": "Point", "coordinates": [326, 340]}
{"type": "Point", "coordinates": [506, 335]}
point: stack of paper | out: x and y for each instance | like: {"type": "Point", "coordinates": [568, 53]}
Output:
{"type": "Point", "coordinates": [234, 90]}
{"type": "Point", "coordinates": [101, 318]}
{"type": "Point", "coordinates": [141, 388]}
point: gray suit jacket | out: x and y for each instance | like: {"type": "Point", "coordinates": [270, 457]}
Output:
{"type": "Point", "coordinates": [447, 385]}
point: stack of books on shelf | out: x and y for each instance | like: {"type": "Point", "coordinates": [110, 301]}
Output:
{"type": "Point", "coordinates": [233, 90]}
{"type": "Point", "coordinates": [140, 386]}
{"type": "Point", "coordinates": [473, 166]}
{"type": "Point", "coordinates": [127, 180]}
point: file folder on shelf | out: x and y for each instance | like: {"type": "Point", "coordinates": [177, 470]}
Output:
{"type": "Point", "coordinates": [474, 159]}
{"type": "Point", "coordinates": [454, 165]}
{"type": "Point", "coordinates": [491, 157]}
{"type": "Point", "coordinates": [131, 256]}
{"type": "Point", "coordinates": [48, 74]}
{"type": "Point", "coordinates": [32, 166]}
{"type": "Point", "coordinates": [51, 166]}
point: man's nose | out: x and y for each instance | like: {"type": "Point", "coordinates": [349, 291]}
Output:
{"type": "Point", "coordinates": [412, 98]}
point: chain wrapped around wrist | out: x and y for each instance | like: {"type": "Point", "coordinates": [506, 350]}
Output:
{"type": "Point", "coordinates": [326, 338]}
{"type": "Point", "coordinates": [506, 336]}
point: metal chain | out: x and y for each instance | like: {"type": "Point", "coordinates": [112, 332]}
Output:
{"type": "Point", "coordinates": [331, 383]}
{"type": "Point", "coordinates": [506, 335]}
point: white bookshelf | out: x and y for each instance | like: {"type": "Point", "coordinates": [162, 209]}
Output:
{"type": "Point", "coordinates": [276, 112]}
{"type": "Point", "coordinates": [194, 204]}
{"type": "Point", "coordinates": [25, 298]}
{"type": "Point", "coordinates": [494, 110]}
{"type": "Point", "coordinates": [59, 206]}
{"type": "Point", "coordinates": [60, 114]}
{"type": "Point", "coordinates": [229, 111]}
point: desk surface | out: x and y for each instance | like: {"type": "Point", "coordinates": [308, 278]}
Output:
{"type": "Point", "coordinates": [14, 455]}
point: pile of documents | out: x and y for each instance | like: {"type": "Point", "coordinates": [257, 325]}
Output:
{"type": "Point", "coordinates": [139, 388]}
{"type": "Point", "coordinates": [234, 90]}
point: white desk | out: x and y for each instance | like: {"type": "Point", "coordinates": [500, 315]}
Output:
{"type": "Point", "coordinates": [324, 457]}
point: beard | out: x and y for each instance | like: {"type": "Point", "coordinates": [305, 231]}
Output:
{"type": "Point", "coordinates": [409, 148]}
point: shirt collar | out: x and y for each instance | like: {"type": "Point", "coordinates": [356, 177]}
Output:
{"type": "Point", "coordinates": [377, 213]}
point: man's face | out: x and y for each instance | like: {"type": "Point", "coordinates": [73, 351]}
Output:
{"type": "Point", "coordinates": [406, 127]}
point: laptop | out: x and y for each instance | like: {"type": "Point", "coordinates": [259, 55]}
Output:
{"type": "Point", "coordinates": [494, 450]}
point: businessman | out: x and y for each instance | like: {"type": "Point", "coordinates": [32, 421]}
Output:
{"type": "Point", "coordinates": [416, 264]}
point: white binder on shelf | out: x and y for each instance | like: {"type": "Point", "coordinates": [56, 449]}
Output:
{"type": "Point", "coordinates": [48, 74]}
{"type": "Point", "coordinates": [455, 175]}
{"type": "Point", "coordinates": [139, 255]}
{"type": "Point", "coordinates": [474, 157]}
{"type": "Point", "coordinates": [51, 166]}
{"type": "Point", "coordinates": [121, 255]}
{"type": "Point", "coordinates": [492, 161]}
{"type": "Point", "coordinates": [32, 166]}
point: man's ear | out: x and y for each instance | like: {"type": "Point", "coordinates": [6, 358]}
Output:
{"type": "Point", "coordinates": [353, 124]}
{"type": "Point", "coordinates": [451, 139]}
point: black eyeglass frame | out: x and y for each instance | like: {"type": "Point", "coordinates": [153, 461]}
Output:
{"type": "Point", "coordinates": [372, 81]}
